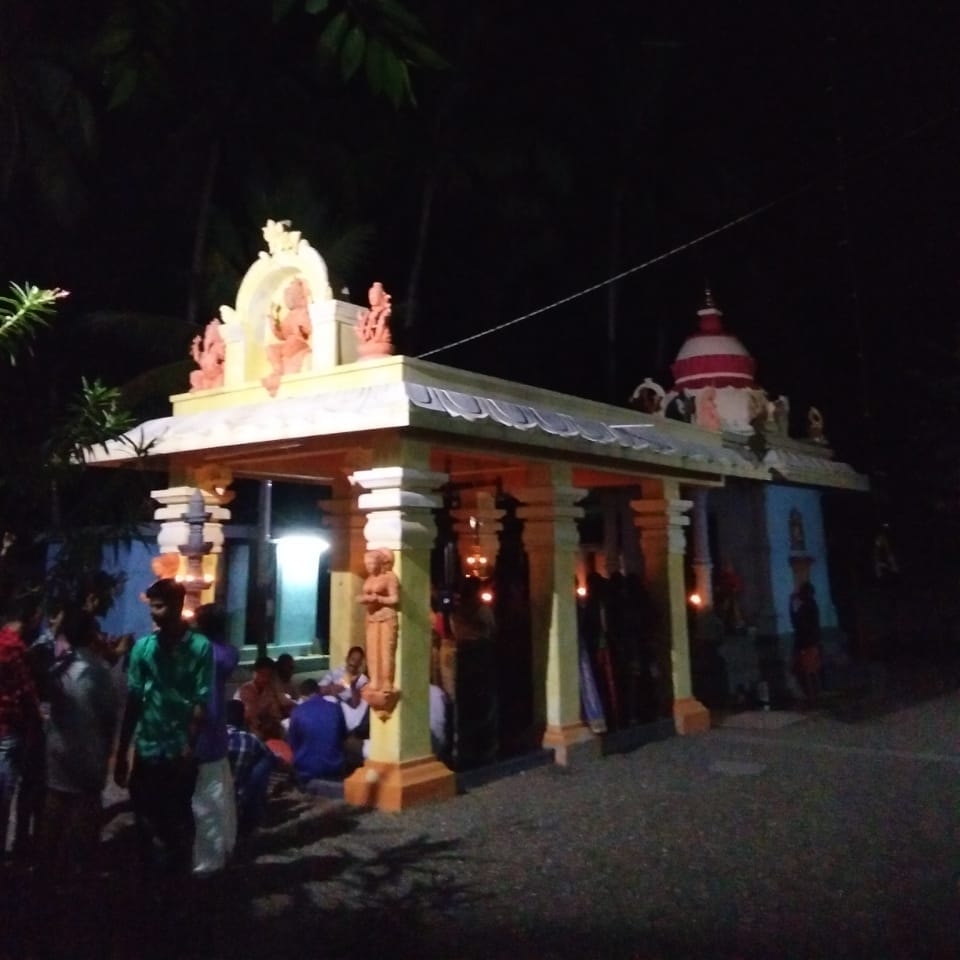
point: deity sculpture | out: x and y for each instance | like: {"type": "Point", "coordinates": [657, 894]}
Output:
{"type": "Point", "coordinates": [778, 416]}
{"type": "Point", "coordinates": [707, 414]}
{"type": "Point", "coordinates": [380, 596]}
{"type": "Point", "coordinates": [680, 405]}
{"type": "Point", "coordinates": [815, 426]}
{"type": "Point", "coordinates": [290, 325]}
{"type": "Point", "coordinates": [209, 353]}
{"type": "Point", "coordinates": [648, 397]}
{"type": "Point", "coordinates": [280, 238]}
{"type": "Point", "coordinates": [373, 328]}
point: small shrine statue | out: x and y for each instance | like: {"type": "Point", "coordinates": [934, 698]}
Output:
{"type": "Point", "coordinates": [373, 327]}
{"type": "Point", "coordinates": [209, 353]}
{"type": "Point", "coordinates": [648, 397]}
{"type": "Point", "coordinates": [380, 596]}
{"type": "Point", "coordinates": [778, 416]}
{"type": "Point", "coordinates": [680, 406]}
{"type": "Point", "coordinates": [708, 416]}
{"type": "Point", "coordinates": [290, 325]}
{"type": "Point", "coordinates": [815, 426]}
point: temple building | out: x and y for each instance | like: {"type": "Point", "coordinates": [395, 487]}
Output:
{"type": "Point", "coordinates": [441, 480]}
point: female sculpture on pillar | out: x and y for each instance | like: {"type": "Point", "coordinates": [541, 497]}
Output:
{"type": "Point", "coordinates": [380, 596]}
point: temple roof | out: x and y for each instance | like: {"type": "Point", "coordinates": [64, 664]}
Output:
{"type": "Point", "coordinates": [401, 392]}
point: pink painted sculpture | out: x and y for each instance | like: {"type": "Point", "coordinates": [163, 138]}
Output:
{"type": "Point", "coordinates": [209, 353]}
{"type": "Point", "coordinates": [292, 332]}
{"type": "Point", "coordinates": [380, 596]}
{"type": "Point", "coordinates": [373, 328]}
{"type": "Point", "coordinates": [707, 414]}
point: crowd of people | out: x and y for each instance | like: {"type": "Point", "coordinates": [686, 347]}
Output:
{"type": "Point", "coordinates": [197, 763]}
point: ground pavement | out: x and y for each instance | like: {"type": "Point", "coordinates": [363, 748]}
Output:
{"type": "Point", "coordinates": [828, 834]}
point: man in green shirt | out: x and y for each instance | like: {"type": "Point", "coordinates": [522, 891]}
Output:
{"type": "Point", "coordinates": [168, 682]}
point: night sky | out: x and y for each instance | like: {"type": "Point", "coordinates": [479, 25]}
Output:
{"type": "Point", "coordinates": [565, 143]}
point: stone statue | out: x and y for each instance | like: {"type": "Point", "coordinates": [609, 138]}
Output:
{"type": "Point", "coordinates": [680, 406]}
{"type": "Point", "coordinates": [209, 353]}
{"type": "Point", "coordinates": [648, 397]}
{"type": "Point", "coordinates": [778, 416]}
{"type": "Point", "coordinates": [708, 416]}
{"type": "Point", "coordinates": [815, 426]}
{"type": "Point", "coordinates": [290, 325]}
{"type": "Point", "coordinates": [373, 328]}
{"type": "Point", "coordinates": [280, 238]}
{"type": "Point", "coordinates": [380, 596]}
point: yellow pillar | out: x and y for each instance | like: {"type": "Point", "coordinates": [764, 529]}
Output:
{"type": "Point", "coordinates": [344, 524]}
{"type": "Point", "coordinates": [552, 543]}
{"type": "Point", "coordinates": [398, 503]}
{"type": "Point", "coordinates": [661, 522]}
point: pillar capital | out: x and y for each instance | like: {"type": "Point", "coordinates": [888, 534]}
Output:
{"type": "Point", "coordinates": [666, 517]}
{"type": "Point", "coordinates": [549, 515]}
{"type": "Point", "coordinates": [399, 505]}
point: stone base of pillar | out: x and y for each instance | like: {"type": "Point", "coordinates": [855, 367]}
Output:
{"type": "Point", "coordinates": [690, 716]}
{"type": "Point", "coordinates": [560, 739]}
{"type": "Point", "coordinates": [397, 786]}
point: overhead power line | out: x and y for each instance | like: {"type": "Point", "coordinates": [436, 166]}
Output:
{"type": "Point", "coordinates": [716, 231]}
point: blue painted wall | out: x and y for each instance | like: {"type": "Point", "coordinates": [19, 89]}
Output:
{"type": "Point", "coordinates": [779, 501]}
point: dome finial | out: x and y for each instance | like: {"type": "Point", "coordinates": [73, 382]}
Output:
{"type": "Point", "coordinates": [710, 314]}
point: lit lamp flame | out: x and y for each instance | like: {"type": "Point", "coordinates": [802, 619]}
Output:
{"type": "Point", "coordinates": [581, 591]}
{"type": "Point", "coordinates": [486, 596]}
{"type": "Point", "coordinates": [695, 599]}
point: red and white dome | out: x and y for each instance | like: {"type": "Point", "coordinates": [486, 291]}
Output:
{"type": "Point", "coordinates": [711, 357]}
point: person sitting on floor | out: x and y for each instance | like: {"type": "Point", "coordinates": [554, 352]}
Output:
{"type": "Point", "coordinates": [264, 708]}
{"type": "Point", "coordinates": [251, 763]}
{"type": "Point", "coordinates": [285, 668]}
{"type": "Point", "coordinates": [345, 683]}
{"type": "Point", "coordinates": [316, 736]}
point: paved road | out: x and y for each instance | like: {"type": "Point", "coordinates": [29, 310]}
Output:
{"type": "Point", "coordinates": [765, 838]}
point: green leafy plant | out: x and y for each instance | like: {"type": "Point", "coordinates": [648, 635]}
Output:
{"type": "Point", "coordinates": [22, 313]}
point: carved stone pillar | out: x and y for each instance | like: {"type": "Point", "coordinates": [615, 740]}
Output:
{"type": "Point", "coordinates": [552, 542]}
{"type": "Point", "coordinates": [398, 504]}
{"type": "Point", "coordinates": [344, 523]}
{"type": "Point", "coordinates": [174, 532]}
{"type": "Point", "coordinates": [661, 524]}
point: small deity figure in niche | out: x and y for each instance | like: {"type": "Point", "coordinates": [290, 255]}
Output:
{"type": "Point", "coordinates": [209, 353]}
{"type": "Point", "coordinates": [707, 413]}
{"type": "Point", "coordinates": [648, 397]}
{"type": "Point", "coordinates": [373, 327]}
{"type": "Point", "coordinates": [380, 596]}
{"type": "Point", "coordinates": [815, 426]}
{"type": "Point", "coordinates": [798, 539]}
{"type": "Point", "coordinates": [291, 327]}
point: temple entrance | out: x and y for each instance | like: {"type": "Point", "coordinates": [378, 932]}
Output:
{"type": "Point", "coordinates": [482, 648]}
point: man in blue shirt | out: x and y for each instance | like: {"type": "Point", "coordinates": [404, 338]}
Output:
{"type": "Point", "coordinates": [316, 736]}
